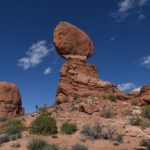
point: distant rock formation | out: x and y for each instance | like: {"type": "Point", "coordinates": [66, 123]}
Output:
{"type": "Point", "coordinates": [10, 100]}
{"type": "Point", "coordinates": [143, 95]}
{"type": "Point", "coordinates": [77, 78]}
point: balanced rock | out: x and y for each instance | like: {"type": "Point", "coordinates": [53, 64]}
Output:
{"type": "Point", "coordinates": [70, 40]}
{"type": "Point", "coordinates": [10, 100]}
{"type": "Point", "coordinates": [77, 78]}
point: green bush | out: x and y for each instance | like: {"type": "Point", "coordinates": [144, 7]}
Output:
{"type": "Point", "coordinates": [13, 126]}
{"type": "Point", "coordinates": [68, 127]}
{"type": "Point", "coordinates": [44, 124]}
{"type": "Point", "coordinates": [51, 147]}
{"type": "Point", "coordinates": [79, 147]}
{"type": "Point", "coordinates": [113, 98]}
{"type": "Point", "coordinates": [146, 112]}
{"type": "Point", "coordinates": [145, 143]}
{"type": "Point", "coordinates": [37, 144]}
{"type": "Point", "coordinates": [135, 120]}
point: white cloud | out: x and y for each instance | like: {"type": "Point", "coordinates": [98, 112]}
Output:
{"type": "Point", "coordinates": [145, 61]}
{"type": "Point", "coordinates": [48, 71]}
{"type": "Point", "coordinates": [112, 38]}
{"type": "Point", "coordinates": [125, 5]}
{"type": "Point", "coordinates": [129, 7]}
{"type": "Point", "coordinates": [142, 17]}
{"type": "Point", "coordinates": [126, 86]}
{"type": "Point", "coordinates": [136, 89]}
{"type": "Point", "coordinates": [35, 55]}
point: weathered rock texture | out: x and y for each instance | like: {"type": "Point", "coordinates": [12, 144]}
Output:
{"type": "Point", "coordinates": [143, 95]}
{"type": "Point", "coordinates": [77, 78]}
{"type": "Point", "coordinates": [70, 40]}
{"type": "Point", "coordinates": [10, 100]}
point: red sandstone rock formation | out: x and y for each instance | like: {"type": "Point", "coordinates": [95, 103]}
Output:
{"type": "Point", "coordinates": [77, 78]}
{"type": "Point", "coordinates": [10, 100]}
{"type": "Point", "coordinates": [143, 95]}
{"type": "Point", "coordinates": [70, 40]}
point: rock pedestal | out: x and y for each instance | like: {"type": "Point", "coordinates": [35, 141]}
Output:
{"type": "Point", "coordinates": [10, 100]}
{"type": "Point", "coordinates": [77, 78]}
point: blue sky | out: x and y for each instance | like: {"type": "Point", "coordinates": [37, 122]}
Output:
{"type": "Point", "coordinates": [119, 29]}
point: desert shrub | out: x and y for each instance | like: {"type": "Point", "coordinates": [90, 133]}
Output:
{"type": "Point", "coordinates": [118, 138]}
{"type": "Point", "coordinates": [98, 131]}
{"type": "Point", "coordinates": [93, 132]}
{"type": "Point", "coordinates": [68, 127]}
{"type": "Point", "coordinates": [126, 113]}
{"type": "Point", "coordinates": [4, 138]}
{"type": "Point", "coordinates": [44, 124]}
{"type": "Point", "coordinates": [51, 147]}
{"type": "Point", "coordinates": [64, 100]}
{"type": "Point", "coordinates": [145, 123]}
{"type": "Point", "coordinates": [104, 96]}
{"type": "Point", "coordinates": [15, 145]}
{"type": "Point", "coordinates": [13, 126]}
{"type": "Point", "coordinates": [135, 120]}
{"type": "Point", "coordinates": [109, 133]}
{"type": "Point", "coordinates": [12, 130]}
{"type": "Point", "coordinates": [3, 119]}
{"type": "Point", "coordinates": [134, 102]}
{"type": "Point", "coordinates": [42, 110]}
{"type": "Point", "coordinates": [79, 147]}
{"type": "Point", "coordinates": [107, 112]}
{"type": "Point", "coordinates": [113, 98]}
{"type": "Point", "coordinates": [37, 144]}
{"type": "Point", "coordinates": [145, 143]}
{"type": "Point", "coordinates": [72, 107]}
{"type": "Point", "coordinates": [58, 108]}
{"type": "Point", "coordinates": [146, 112]}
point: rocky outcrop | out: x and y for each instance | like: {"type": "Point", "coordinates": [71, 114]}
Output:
{"type": "Point", "coordinates": [10, 100]}
{"type": "Point", "coordinates": [143, 95]}
{"type": "Point", "coordinates": [77, 78]}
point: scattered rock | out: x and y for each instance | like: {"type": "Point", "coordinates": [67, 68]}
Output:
{"type": "Point", "coordinates": [88, 108]}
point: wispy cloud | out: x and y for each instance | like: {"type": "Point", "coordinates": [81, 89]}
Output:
{"type": "Point", "coordinates": [137, 89]}
{"type": "Point", "coordinates": [142, 17]}
{"type": "Point", "coordinates": [129, 7]}
{"type": "Point", "coordinates": [143, 2]}
{"type": "Point", "coordinates": [112, 38]}
{"type": "Point", "coordinates": [35, 55]}
{"type": "Point", "coordinates": [126, 86]}
{"type": "Point", "coordinates": [145, 61]}
{"type": "Point", "coordinates": [47, 71]}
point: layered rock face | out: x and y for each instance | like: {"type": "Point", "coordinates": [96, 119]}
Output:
{"type": "Point", "coordinates": [10, 100]}
{"type": "Point", "coordinates": [143, 95]}
{"type": "Point", "coordinates": [77, 78]}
